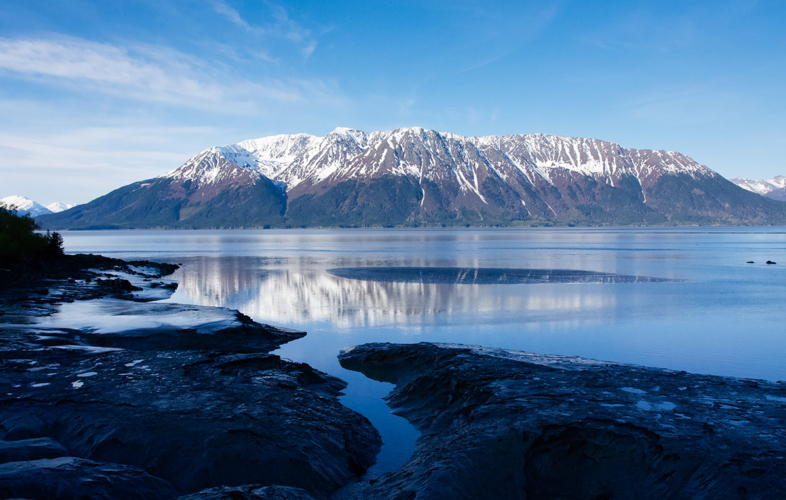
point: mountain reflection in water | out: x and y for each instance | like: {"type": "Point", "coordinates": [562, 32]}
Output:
{"type": "Point", "coordinates": [293, 292]}
{"type": "Point", "coordinates": [484, 276]}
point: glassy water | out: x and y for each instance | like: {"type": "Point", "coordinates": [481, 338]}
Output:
{"type": "Point", "coordinates": [706, 311]}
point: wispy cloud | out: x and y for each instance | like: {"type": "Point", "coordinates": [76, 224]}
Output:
{"type": "Point", "coordinates": [86, 162]}
{"type": "Point", "coordinates": [223, 8]}
{"type": "Point", "coordinates": [146, 73]}
{"type": "Point", "coordinates": [689, 105]}
{"type": "Point", "coordinates": [283, 26]}
{"type": "Point", "coordinates": [110, 68]}
{"type": "Point", "coordinates": [526, 23]}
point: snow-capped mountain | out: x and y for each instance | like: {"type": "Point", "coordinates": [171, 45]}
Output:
{"type": "Point", "coordinates": [413, 176]}
{"type": "Point", "coordinates": [306, 160]}
{"type": "Point", "coordinates": [59, 206]}
{"type": "Point", "coordinates": [25, 205]}
{"type": "Point", "coordinates": [774, 188]}
{"type": "Point", "coordinates": [207, 191]}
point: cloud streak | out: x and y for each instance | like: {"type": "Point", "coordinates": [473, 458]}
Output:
{"type": "Point", "coordinates": [283, 27]}
{"type": "Point", "coordinates": [232, 15]}
{"type": "Point", "coordinates": [89, 161]}
{"type": "Point", "coordinates": [148, 73]}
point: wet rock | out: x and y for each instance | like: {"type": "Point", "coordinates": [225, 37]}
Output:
{"type": "Point", "coordinates": [255, 492]}
{"type": "Point", "coordinates": [41, 271]}
{"type": "Point", "coordinates": [197, 419]}
{"type": "Point", "coordinates": [30, 449]}
{"type": "Point", "coordinates": [70, 478]}
{"type": "Point", "coordinates": [154, 400]}
{"type": "Point", "coordinates": [158, 326]}
{"type": "Point", "coordinates": [505, 424]}
{"type": "Point", "coordinates": [167, 286]}
{"type": "Point", "coordinates": [118, 285]}
{"type": "Point", "coordinates": [69, 278]}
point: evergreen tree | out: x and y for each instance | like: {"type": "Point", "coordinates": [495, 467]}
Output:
{"type": "Point", "coordinates": [19, 237]}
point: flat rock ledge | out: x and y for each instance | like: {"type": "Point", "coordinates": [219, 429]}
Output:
{"type": "Point", "coordinates": [187, 402]}
{"type": "Point", "coordinates": [504, 424]}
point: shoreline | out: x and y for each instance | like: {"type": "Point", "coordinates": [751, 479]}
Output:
{"type": "Point", "coordinates": [134, 405]}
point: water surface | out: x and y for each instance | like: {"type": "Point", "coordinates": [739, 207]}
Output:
{"type": "Point", "coordinates": [688, 300]}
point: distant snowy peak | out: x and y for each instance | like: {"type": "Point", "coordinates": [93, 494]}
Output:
{"type": "Point", "coordinates": [760, 186]}
{"type": "Point", "coordinates": [773, 188]}
{"type": "Point", "coordinates": [59, 206]}
{"type": "Point", "coordinates": [25, 205]}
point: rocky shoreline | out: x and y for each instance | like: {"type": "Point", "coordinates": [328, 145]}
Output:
{"type": "Point", "coordinates": [188, 403]}
{"type": "Point", "coordinates": [156, 400]}
{"type": "Point", "coordinates": [505, 424]}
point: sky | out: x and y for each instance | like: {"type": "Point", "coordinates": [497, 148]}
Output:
{"type": "Point", "coordinates": [95, 95]}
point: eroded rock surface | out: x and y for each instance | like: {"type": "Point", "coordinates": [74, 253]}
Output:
{"type": "Point", "coordinates": [140, 399]}
{"type": "Point", "coordinates": [70, 478]}
{"type": "Point", "coordinates": [254, 492]}
{"type": "Point", "coordinates": [505, 424]}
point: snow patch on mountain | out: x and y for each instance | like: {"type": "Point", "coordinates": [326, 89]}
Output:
{"type": "Point", "coordinates": [210, 167]}
{"type": "Point", "coordinates": [303, 160]}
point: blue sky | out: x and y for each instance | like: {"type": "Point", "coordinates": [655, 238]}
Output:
{"type": "Point", "coordinates": [95, 95]}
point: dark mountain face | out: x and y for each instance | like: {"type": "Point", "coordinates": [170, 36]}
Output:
{"type": "Point", "coordinates": [777, 194]}
{"type": "Point", "coordinates": [217, 194]}
{"type": "Point", "coordinates": [422, 177]}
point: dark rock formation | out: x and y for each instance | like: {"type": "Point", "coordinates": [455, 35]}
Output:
{"type": "Point", "coordinates": [504, 424]}
{"type": "Point", "coordinates": [70, 478]}
{"type": "Point", "coordinates": [30, 449]}
{"type": "Point", "coordinates": [30, 273]}
{"type": "Point", "coordinates": [254, 492]}
{"type": "Point", "coordinates": [167, 400]}
{"type": "Point", "coordinates": [118, 284]}
{"type": "Point", "coordinates": [196, 419]}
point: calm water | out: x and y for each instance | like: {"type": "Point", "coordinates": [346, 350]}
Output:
{"type": "Point", "coordinates": [719, 315]}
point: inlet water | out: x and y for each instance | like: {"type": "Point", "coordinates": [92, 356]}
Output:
{"type": "Point", "coordinates": [688, 299]}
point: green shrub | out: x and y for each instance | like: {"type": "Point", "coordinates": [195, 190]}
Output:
{"type": "Point", "coordinates": [19, 239]}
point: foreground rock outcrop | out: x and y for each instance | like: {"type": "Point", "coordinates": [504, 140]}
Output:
{"type": "Point", "coordinates": [141, 399]}
{"type": "Point", "coordinates": [505, 424]}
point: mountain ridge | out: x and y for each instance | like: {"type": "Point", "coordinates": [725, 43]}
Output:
{"type": "Point", "coordinates": [415, 176]}
{"type": "Point", "coordinates": [774, 188]}
{"type": "Point", "coordinates": [25, 205]}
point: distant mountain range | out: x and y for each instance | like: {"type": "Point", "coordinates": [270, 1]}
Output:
{"type": "Point", "coordinates": [415, 176]}
{"type": "Point", "coordinates": [774, 188]}
{"type": "Point", "coordinates": [25, 205]}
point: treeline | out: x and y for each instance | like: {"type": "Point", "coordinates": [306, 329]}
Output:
{"type": "Point", "coordinates": [19, 239]}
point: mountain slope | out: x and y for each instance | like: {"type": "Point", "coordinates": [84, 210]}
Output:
{"type": "Point", "coordinates": [206, 192]}
{"type": "Point", "coordinates": [774, 188]}
{"type": "Point", "coordinates": [415, 176]}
